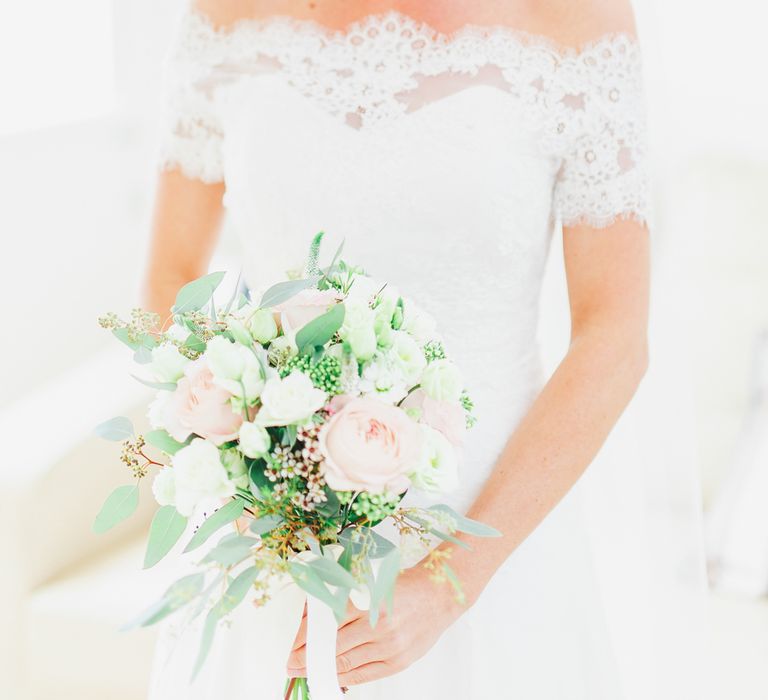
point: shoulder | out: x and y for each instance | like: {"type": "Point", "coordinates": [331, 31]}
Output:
{"type": "Point", "coordinates": [577, 22]}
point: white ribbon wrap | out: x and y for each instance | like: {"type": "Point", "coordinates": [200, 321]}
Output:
{"type": "Point", "coordinates": [321, 651]}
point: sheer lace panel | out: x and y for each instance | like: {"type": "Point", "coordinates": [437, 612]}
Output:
{"type": "Point", "coordinates": [585, 106]}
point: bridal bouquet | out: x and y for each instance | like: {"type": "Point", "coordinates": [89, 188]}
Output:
{"type": "Point", "coordinates": [305, 418]}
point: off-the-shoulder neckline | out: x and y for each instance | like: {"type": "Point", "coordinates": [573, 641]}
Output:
{"type": "Point", "coordinates": [421, 28]}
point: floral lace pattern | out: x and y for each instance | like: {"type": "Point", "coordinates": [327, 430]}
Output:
{"type": "Point", "coordinates": [584, 106]}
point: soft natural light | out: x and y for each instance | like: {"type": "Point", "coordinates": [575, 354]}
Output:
{"type": "Point", "coordinates": [56, 62]}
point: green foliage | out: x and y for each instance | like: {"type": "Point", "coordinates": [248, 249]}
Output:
{"type": "Point", "coordinates": [375, 506]}
{"type": "Point", "coordinates": [162, 386]}
{"type": "Point", "coordinates": [314, 255]}
{"type": "Point", "coordinates": [223, 516]}
{"type": "Point", "coordinates": [310, 581]}
{"type": "Point", "coordinates": [167, 527]}
{"type": "Point", "coordinates": [181, 592]}
{"type": "Point", "coordinates": [265, 524]}
{"type": "Point", "coordinates": [231, 549]}
{"type": "Point", "coordinates": [319, 331]}
{"type": "Point", "coordinates": [194, 343]}
{"type": "Point", "coordinates": [434, 350]}
{"type": "Point", "coordinates": [364, 541]}
{"type": "Point", "coordinates": [330, 572]}
{"type": "Point", "coordinates": [464, 524]}
{"type": "Point", "coordinates": [283, 291]}
{"type": "Point", "coordinates": [120, 504]}
{"type": "Point", "coordinates": [384, 587]}
{"type": "Point", "coordinates": [163, 441]}
{"type": "Point", "coordinates": [115, 429]}
{"type": "Point", "coordinates": [196, 294]}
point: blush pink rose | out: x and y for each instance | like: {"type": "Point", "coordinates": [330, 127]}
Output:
{"type": "Point", "coordinates": [201, 407]}
{"type": "Point", "coordinates": [369, 445]}
{"type": "Point", "coordinates": [447, 417]}
{"type": "Point", "coordinates": [304, 307]}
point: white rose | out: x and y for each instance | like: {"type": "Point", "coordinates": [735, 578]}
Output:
{"type": "Point", "coordinates": [167, 363]}
{"type": "Point", "coordinates": [442, 381]}
{"type": "Point", "coordinates": [235, 368]}
{"type": "Point", "coordinates": [262, 326]}
{"type": "Point", "coordinates": [409, 356]}
{"type": "Point", "coordinates": [254, 440]}
{"type": "Point", "coordinates": [156, 409]}
{"type": "Point", "coordinates": [357, 316]}
{"type": "Point", "coordinates": [289, 401]}
{"type": "Point", "coordinates": [383, 379]}
{"type": "Point", "coordinates": [439, 468]}
{"type": "Point", "coordinates": [164, 487]}
{"type": "Point", "coordinates": [199, 476]}
{"type": "Point", "coordinates": [418, 322]}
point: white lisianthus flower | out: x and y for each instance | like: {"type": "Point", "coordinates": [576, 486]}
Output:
{"type": "Point", "coordinates": [157, 409]}
{"type": "Point", "coordinates": [199, 476]}
{"type": "Point", "coordinates": [418, 322]}
{"type": "Point", "coordinates": [167, 363]}
{"type": "Point", "coordinates": [383, 379]}
{"type": "Point", "coordinates": [262, 326]}
{"type": "Point", "coordinates": [289, 401]}
{"type": "Point", "coordinates": [164, 487]}
{"type": "Point", "coordinates": [442, 381]}
{"type": "Point", "coordinates": [236, 468]}
{"type": "Point", "coordinates": [362, 343]}
{"type": "Point", "coordinates": [358, 315]}
{"type": "Point", "coordinates": [409, 356]}
{"type": "Point", "coordinates": [363, 290]}
{"type": "Point", "coordinates": [254, 440]}
{"type": "Point", "coordinates": [439, 467]}
{"type": "Point", "coordinates": [235, 368]}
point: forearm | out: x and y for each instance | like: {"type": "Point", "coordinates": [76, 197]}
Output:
{"type": "Point", "coordinates": [551, 448]}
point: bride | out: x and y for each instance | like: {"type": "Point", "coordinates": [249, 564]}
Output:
{"type": "Point", "coordinates": [443, 141]}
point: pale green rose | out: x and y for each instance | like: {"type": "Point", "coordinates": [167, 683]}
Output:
{"type": "Point", "coordinates": [358, 316]}
{"type": "Point", "coordinates": [254, 440]}
{"type": "Point", "coordinates": [167, 363]}
{"type": "Point", "coordinates": [362, 342]}
{"type": "Point", "coordinates": [408, 355]}
{"type": "Point", "coordinates": [262, 326]}
{"type": "Point", "coordinates": [235, 368]}
{"type": "Point", "coordinates": [236, 468]}
{"type": "Point", "coordinates": [439, 467]}
{"type": "Point", "coordinates": [442, 381]}
{"type": "Point", "coordinates": [164, 487]}
{"type": "Point", "coordinates": [239, 332]}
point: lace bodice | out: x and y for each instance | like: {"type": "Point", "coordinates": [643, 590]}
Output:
{"type": "Point", "coordinates": [583, 106]}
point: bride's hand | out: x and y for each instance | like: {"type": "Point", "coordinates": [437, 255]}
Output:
{"type": "Point", "coordinates": [423, 610]}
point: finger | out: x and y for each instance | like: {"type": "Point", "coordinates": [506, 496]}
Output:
{"type": "Point", "coordinates": [354, 635]}
{"type": "Point", "coordinates": [297, 659]}
{"type": "Point", "coordinates": [359, 656]}
{"type": "Point", "coordinates": [366, 674]}
{"type": "Point", "coordinates": [301, 633]}
{"type": "Point", "coordinates": [353, 613]}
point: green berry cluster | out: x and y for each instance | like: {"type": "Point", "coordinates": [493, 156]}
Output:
{"type": "Point", "coordinates": [325, 373]}
{"type": "Point", "coordinates": [434, 350]}
{"type": "Point", "coordinates": [375, 506]}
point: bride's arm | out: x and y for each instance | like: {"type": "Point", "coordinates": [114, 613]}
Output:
{"type": "Point", "coordinates": [186, 222]}
{"type": "Point", "coordinates": [608, 280]}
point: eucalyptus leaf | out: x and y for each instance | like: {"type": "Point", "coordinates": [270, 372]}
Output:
{"type": "Point", "coordinates": [223, 516]}
{"type": "Point", "coordinates": [181, 592]}
{"type": "Point", "coordinates": [364, 538]}
{"type": "Point", "coordinates": [196, 294]}
{"type": "Point", "coordinates": [321, 329]}
{"type": "Point", "coordinates": [265, 524]}
{"type": "Point", "coordinates": [235, 291]}
{"type": "Point", "coordinates": [384, 587]}
{"type": "Point", "coordinates": [123, 336]}
{"type": "Point", "coordinates": [283, 291]}
{"type": "Point", "coordinates": [467, 525]}
{"type": "Point", "coordinates": [120, 504]}
{"type": "Point", "coordinates": [115, 429]}
{"type": "Point", "coordinates": [231, 549]}
{"type": "Point", "coordinates": [206, 641]}
{"type": "Point", "coordinates": [309, 581]}
{"type": "Point", "coordinates": [330, 269]}
{"type": "Point", "coordinates": [142, 355]}
{"type": "Point", "coordinates": [289, 435]}
{"type": "Point", "coordinates": [162, 386]}
{"type": "Point", "coordinates": [166, 528]}
{"type": "Point", "coordinates": [163, 441]}
{"type": "Point", "coordinates": [257, 476]}
{"type": "Point", "coordinates": [331, 572]}
{"type": "Point", "coordinates": [194, 343]}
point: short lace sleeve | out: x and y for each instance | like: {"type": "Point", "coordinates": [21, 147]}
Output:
{"type": "Point", "coordinates": [192, 136]}
{"type": "Point", "coordinates": [604, 171]}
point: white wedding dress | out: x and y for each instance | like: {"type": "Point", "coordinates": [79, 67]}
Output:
{"type": "Point", "coordinates": [445, 163]}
